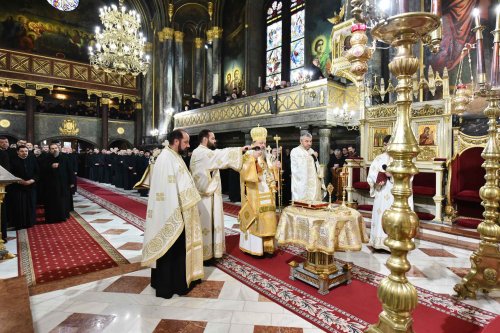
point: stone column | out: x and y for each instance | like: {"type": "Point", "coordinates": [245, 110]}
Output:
{"type": "Point", "coordinates": [104, 106]}
{"type": "Point", "coordinates": [324, 145]}
{"type": "Point", "coordinates": [217, 60]}
{"type": "Point", "coordinates": [209, 81]}
{"type": "Point", "coordinates": [198, 68]}
{"type": "Point", "coordinates": [438, 167]}
{"type": "Point", "coordinates": [30, 114]}
{"type": "Point", "coordinates": [138, 128]}
{"type": "Point", "coordinates": [178, 70]}
{"type": "Point", "coordinates": [166, 37]}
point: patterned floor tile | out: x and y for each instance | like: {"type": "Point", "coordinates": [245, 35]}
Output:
{"type": "Point", "coordinates": [437, 253]}
{"type": "Point", "coordinates": [415, 272]}
{"type": "Point", "coordinates": [207, 289]}
{"type": "Point", "coordinates": [129, 285]}
{"type": "Point", "coordinates": [101, 221]}
{"type": "Point", "coordinates": [276, 329]}
{"type": "Point", "coordinates": [82, 206]}
{"type": "Point", "coordinates": [236, 226]}
{"type": "Point", "coordinates": [184, 326]}
{"type": "Point", "coordinates": [460, 271]}
{"type": "Point", "coordinates": [131, 246]}
{"type": "Point", "coordinates": [92, 212]}
{"type": "Point", "coordinates": [83, 322]}
{"type": "Point", "coordinates": [115, 231]}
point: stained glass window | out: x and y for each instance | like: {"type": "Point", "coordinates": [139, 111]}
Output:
{"type": "Point", "coordinates": [64, 5]}
{"type": "Point", "coordinates": [274, 10]}
{"type": "Point", "coordinates": [276, 33]}
{"type": "Point", "coordinates": [297, 27]}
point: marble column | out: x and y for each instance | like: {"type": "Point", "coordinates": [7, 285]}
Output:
{"type": "Point", "coordinates": [324, 145]}
{"type": "Point", "coordinates": [198, 68]}
{"type": "Point", "coordinates": [166, 37]}
{"type": "Point", "coordinates": [178, 71]}
{"type": "Point", "coordinates": [209, 83]}
{"type": "Point", "coordinates": [138, 127]}
{"type": "Point", "coordinates": [146, 86]}
{"type": "Point", "coordinates": [104, 106]}
{"type": "Point", "coordinates": [30, 114]}
{"type": "Point", "coordinates": [217, 60]}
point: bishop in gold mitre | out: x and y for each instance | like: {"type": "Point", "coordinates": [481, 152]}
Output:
{"type": "Point", "coordinates": [257, 217]}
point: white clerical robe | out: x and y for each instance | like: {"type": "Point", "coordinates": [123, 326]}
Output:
{"type": "Point", "coordinates": [172, 209]}
{"type": "Point", "coordinates": [205, 165]}
{"type": "Point", "coordinates": [307, 176]}
{"type": "Point", "coordinates": [383, 200]}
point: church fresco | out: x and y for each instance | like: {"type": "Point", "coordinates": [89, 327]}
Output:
{"type": "Point", "coordinates": [37, 27]}
{"type": "Point", "coordinates": [458, 23]}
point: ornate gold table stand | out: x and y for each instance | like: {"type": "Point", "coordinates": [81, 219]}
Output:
{"type": "Point", "coordinates": [321, 271]}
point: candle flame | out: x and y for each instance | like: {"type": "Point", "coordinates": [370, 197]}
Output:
{"type": "Point", "coordinates": [497, 9]}
{"type": "Point", "coordinates": [476, 12]}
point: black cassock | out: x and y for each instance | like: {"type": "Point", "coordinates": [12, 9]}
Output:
{"type": "Point", "coordinates": [57, 191]}
{"type": "Point", "coordinates": [21, 199]}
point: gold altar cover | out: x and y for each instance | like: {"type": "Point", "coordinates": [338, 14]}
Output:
{"type": "Point", "coordinates": [322, 230]}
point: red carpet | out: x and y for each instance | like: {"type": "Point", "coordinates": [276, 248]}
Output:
{"type": "Point", "coordinates": [131, 209]}
{"type": "Point", "coordinates": [346, 308]}
{"type": "Point", "coordinates": [49, 252]}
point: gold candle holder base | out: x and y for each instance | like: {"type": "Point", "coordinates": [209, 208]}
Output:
{"type": "Point", "coordinates": [321, 271]}
{"type": "Point", "coordinates": [484, 274]}
{"type": "Point", "coordinates": [397, 295]}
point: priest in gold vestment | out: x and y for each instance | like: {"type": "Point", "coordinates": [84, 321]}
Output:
{"type": "Point", "coordinates": [172, 235]}
{"type": "Point", "coordinates": [257, 216]}
{"type": "Point", "coordinates": [206, 161]}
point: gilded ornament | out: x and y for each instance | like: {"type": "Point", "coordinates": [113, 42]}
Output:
{"type": "Point", "coordinates": [5, 123]}
{"type": "Point", "coordinates": [178, 36]}
{"type": "Point", "coordinates": [427, 154]}
{"type": "Point", "coordinates": [170, 11]}
{"type": "Point", "coordinates": [198, 42]}
{"type": "Point", "coordinates": [217, 31]}
{"type": "Point", "coordinates": [381, 112]}
{"type": "Point", "coordinates": [30, 92]}
{"type": "Point", "coordinates": [69, 128]}
{"type": "Point", "coordinates": [120, 130]}
{"type": "Point", "coordinates": [359, 53]}
{"type": "Point", "coordinates": [427, 110]}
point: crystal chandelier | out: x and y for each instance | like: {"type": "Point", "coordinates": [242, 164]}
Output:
{"type": "Point", "coordinates": [345, 117]}
{"type": "Point", "coordinates": [119, 47]}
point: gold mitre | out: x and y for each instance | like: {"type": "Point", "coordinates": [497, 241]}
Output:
{"type": "Point", "coordinates": [258, 133]}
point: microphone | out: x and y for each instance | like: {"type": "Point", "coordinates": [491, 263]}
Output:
{"type": "Point", "coordinates": [384, 167]}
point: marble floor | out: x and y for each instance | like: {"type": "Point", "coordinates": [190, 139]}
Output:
{"type": "Point", "coordinates": [126, 303]}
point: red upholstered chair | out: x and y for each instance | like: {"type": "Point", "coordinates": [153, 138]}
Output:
{"type": "Point", "coordinates": [465, 178]}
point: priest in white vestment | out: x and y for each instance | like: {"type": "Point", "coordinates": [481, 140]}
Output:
{"type": "Point", "coordinates": [206, 161]}
{"type": "Point", "coordinates": [257, 217]}
{"type": "Point", "coordinates": [172, 235]}
{"type": "Point", "coordinates": [307, 174]}
{"type": "Point", "coordinates": [383, 198]}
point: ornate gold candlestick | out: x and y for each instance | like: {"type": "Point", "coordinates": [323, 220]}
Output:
{"type": "Point", "coordinates": [329, 189]}
{"type": "Point", "coordinates": [397, 294]}
{"type": "Point", "coordinates": [485, 262]}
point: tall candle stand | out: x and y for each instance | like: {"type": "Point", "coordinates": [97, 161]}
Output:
{"type": "Point", "coordinates": [400, 223]}
{"type": "Point", "coordinates": [484, 274]}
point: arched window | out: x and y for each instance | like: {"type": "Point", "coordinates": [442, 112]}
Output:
{"type": "Point", "coordinates": [297, 27]}
{"type": "Point", "coordinates": [285, 26]}
{"type": "Point", "coordinates": [274, 39]}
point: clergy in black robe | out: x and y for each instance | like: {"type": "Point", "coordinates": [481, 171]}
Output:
{"type": "Point", "coordinates": [107, 167]}
{"type": "Point", "coordinates": [56, 172]}
{"type": "Point", "coordinates": [5, 163]}
{"type": "Point", "coordinates": [22, 195]}
{"type": "Point", "coordinates": [129, 171]}
{"type": "Point", "coordinates": [99, 166]}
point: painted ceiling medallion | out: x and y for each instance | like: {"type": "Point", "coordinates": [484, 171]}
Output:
{"type": "Point", "coordinates": [64, 5]}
